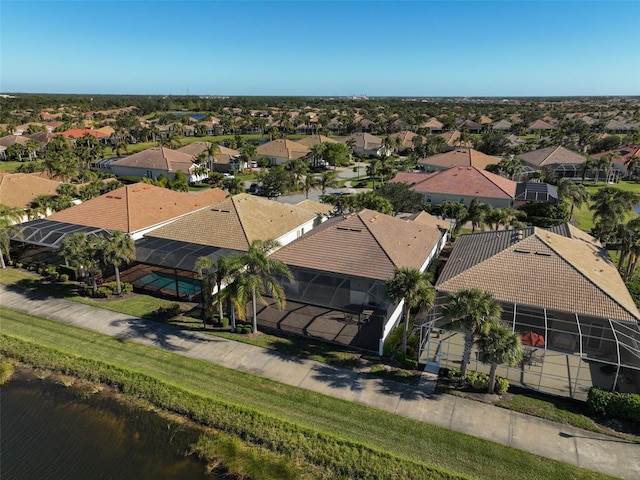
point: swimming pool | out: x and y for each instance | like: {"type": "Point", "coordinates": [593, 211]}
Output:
{"type": "Point", "coordinates": [168, 282]}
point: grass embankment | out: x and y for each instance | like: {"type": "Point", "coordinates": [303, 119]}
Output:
{"type": "Point", "coordinates": [341, 438]}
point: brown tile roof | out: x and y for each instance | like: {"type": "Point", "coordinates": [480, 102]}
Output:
{"type": "Point", "coordinates": [19, 189]}
{"type": "Point", "coordinates": [9, 140]}
{"type": "Point", "coordinates": [311, 140]}
{"type": "Point", "coordinates": [406, 137]}
{"type": "Point", "coordinates": [364, 140]}
{"type": "Point", "coordinates": [541, 125]}
{"type": "Point", "coordinates": [283, 148]}
{"type": "Point", "coordinates": [621, 155]}
{"type": "Point", "coordinates": [316, 207]}
{"type": "Point", "coordinates": [366, 244]}
{"type": "Point", "coordinates": [551, 156]}
{"type": "Point", "coordinates": [467, 181]}
{"type": "Point", "coordinates": [540, 268]}
{"type": "Point", "coordinates": [461, 157]}
{"type": "Point", "coordinates": [433, 123]}
{"type": "Point", "coordinates": [158, 158]}
{"type": "Point", "coordinates": [424, 218]}
{"type": "Point", "coordinates": [235, 222]}
{"type": "Point", "coordinates": [136, 207]}
{"type": "Point", "coordinates": [225, 155]}
{"type": "Point", "coordinates": [80, 132]}
{"type": "Point", "coordinates": [42, 137]}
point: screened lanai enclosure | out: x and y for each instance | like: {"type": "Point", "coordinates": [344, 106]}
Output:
{"type": "Point", "coordinates": [564, 354]}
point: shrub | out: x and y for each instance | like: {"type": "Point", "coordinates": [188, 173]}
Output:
{"type": "Point", "coordinates": [634, 290]}
{"type": "Point", "coordinates": [168, 311]}
{"type": "Point", "coordinates": [51, 271]}
{"type": "Point", "coordinates": [71, 272]}
{"type": "Point", "coordinates": [392, 341]}
{"type": "Point", "coordinates": [502, 385]}
{"type": "Point", "coordinates": [10, 263]}
{"type": "Point", "coordinates": [19, 265]}
{"type": "Point", "coordinates": [624, 406]}
{"type": "Point", "coordinates": [405, 361]}
{"type": "Point", "coordinates": [64, 277]}
{"type": "Point", "coordinates": [104, 292]}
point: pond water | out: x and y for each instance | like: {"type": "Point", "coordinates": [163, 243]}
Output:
{"type": "Point", "coordinates": [53, 432]}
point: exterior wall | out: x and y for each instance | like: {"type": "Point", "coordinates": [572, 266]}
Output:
{"type": "Point", "coordinates": [122, 171]}
{"type": "Point", "coordinates": [296, 233]}
{"type": "Point", "coordinates": [438, 198]}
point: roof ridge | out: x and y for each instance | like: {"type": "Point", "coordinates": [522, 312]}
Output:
{"type": "Point", "coordinates": [484, 172]}
{"type": "Point", "coordinates": [373, 235]}
{"type": "Point", "coordinates": [574, 267]}
{"type": "Point", "coordinates": [126, 203]}
{"type": "Point", "coordinates": [242, 226]}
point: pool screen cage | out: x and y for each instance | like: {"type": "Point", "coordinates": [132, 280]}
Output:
{"type": "Point", "coordinates": [564, 353]}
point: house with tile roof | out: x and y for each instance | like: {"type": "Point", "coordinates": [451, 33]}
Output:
{"type": "Point", "coordinates": [461, 185]}
{"type": "Point", "coordinates": [75, 133]}
{"type": "Point", "coordinates": [460, 157]}
{"type": "Point", "coordinates": [311, 140]}
{"type": "Point", "coordinates": [156, 161]}
{"type": "Point", "coordinates": [540, 126]}
{"type": "Point", "coordinates": [621, 158]}
{"type": "Point", "coordinates": [137, 209]}
{"type": "Point", "coordinates": [226, 160]}
{"type": "Point", "coordinates": [365, 144]}
{"type": "Point", "coordinates": [18, 190]}
{"type": "Point", "coordinates": [340, 269]}
{"type": "Point", "coordinates": [559, 161]}
{"type": "Point", "coordinates": [223, 229]}
{"type": "Point", "coordinates": [281, 151]}
{"type": "Point", "coordinates": [434, 125]}
{"type": "Point", "coordinates": [558, 284]}
{"type": "Point", "coordinates": [406, 138]}
{"type": "Point", "coordinates": [503, 125]}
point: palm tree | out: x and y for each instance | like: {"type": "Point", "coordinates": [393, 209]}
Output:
{"type": "Point", "coordinates": [472, 310]}
{"type": "Point", "coordinates": [477, 214]}
{"type": "Point", "coordinates": [315, 154]}
{"type": "Point", "coordinates": [8, 218]}
{"type": "Point", "coordinates": [373, 169]}
{"type": "Point", "coordinates": [497, 345]}
{"type": "Point", "coordinates": [328, 179]}
{"type": "Point", "coordinates": [215, 274]}
{"type": "Point", "coordinates": [116, 250]}
{"type": "Point", "coordinates": [233, 185]}
{"type": "Point", "coordinates": [258, 277]}
{"type": "Point", "coordinates": [211, 151]}
{"type": "Point", "coordinates": [585, 167]}
{"type": "Point", "coordinates": [82, 251]}
{"type": "Point", "coordinates": [572, 192]}
{"type": "Point", "coordinates": [297, 169]}
{"type": "Point", "coordinates": [309, 183]}
{"type": "Point", "coordinates": [415, 288]}
{"type": "Point", "coordinates": [120, 148]}
{"type": "Point", "coordinates": [612, 204]}
{"type": "Point", "coordinates": [632, 165]}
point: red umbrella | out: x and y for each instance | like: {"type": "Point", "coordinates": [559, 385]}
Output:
{"type": "Point", "coordinates": [532, 339]}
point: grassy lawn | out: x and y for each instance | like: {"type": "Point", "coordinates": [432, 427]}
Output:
{"type": "Point", "coordinates": [9, 166]}
{"type": "Point", "coordinates": [345, 438]}
{"type": "Point", "coordinates": [137, 305]}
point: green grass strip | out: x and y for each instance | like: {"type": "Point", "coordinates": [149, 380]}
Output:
{"type": "Point", "coordinates": [343, 438]}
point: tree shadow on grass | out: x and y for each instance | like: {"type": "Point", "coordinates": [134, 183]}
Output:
{"type": "Point", "coordinates": [36, 289]}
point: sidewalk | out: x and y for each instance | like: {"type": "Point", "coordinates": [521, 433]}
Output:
{"type": "Point", "coordinates": [541, 437]}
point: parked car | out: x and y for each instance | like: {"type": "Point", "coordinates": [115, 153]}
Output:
{"type": "Point", "coordinates": [253, 188]}
{"type": "Point", "coordinates": [228, 175]}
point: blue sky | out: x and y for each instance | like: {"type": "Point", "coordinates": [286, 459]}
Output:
{"type": "Point", "coordinates": [377, 48]}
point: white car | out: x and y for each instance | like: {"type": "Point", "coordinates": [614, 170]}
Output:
{"type": "Point", "coordinates": [228, 175]}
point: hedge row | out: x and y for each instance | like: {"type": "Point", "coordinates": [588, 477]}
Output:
{"type": "Point", "coordinates": [624, 406]}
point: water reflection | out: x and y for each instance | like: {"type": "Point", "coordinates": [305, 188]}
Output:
{"type": "Point", "coordinates": [53, 432]}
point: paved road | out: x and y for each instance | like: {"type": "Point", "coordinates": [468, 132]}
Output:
{"type": "Point", "coordinates": [567, 444]}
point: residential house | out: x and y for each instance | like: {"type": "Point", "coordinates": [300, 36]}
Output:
{"type": "Point", "coordinates": [226, 160]}
{"type": "Point", "coordinates": [223, 229]}
{"type": "Point", "coordinates": [621, 157]}
{"type": "Point", "coordinates": [18, 190]}
{"type": "Point", "coordinates": [433, 125]}
{"type": "Point", "coordinates": [460, 157]}
{"type": "Point", "coordinates": [340, 269]}
{"type": "Point", "coordinates": [365, 144]}
{"type": "Point", "coordinates": [559, 289]}
{"type": "Point", "coordinates": [156, 161]}
{"type": "Point", "coordinates": [461, 185]}
{"type": "Point", "coordinates": [541, 126]}
{"type": "Point", "coordinates": [406, 138]}
{"type": "Point", "coordinates": [311, 140]}
{"type": "Point", "coordinates": [503, 126]}
{"type": "Point", "coordinates": [281, 151]}
{"type": "Point", "coordinates": [559, 161]}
